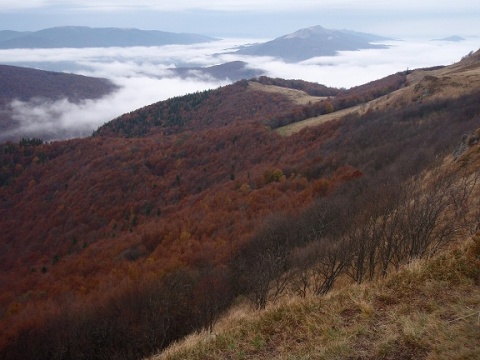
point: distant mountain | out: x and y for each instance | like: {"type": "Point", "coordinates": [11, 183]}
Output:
{"type": "Point", "coordinates": [454, 38]}
{"type": "Point", "coordinates": [314, 41]}
{"type": "Point", "coordinates": [234, 71]}
{"type": "Point", "coordinates": [19, 83]}
{"type": "Point", "coordinates": [25, 83]}
{"type": "Point", "coordinates": [6, 35]}
{"type": "Point", "coordinates": [82, 37]}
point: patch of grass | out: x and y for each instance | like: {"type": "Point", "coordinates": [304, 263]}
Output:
{"type": "Point", "coordinates": [427, 310]}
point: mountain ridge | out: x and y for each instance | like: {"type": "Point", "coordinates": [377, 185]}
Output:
{"type": "Point", "coordinates": [233, 70]}
{"type": "Point", "coordinates": [311, 42]}
{"type": "Point", "coordinates": [83, 37]}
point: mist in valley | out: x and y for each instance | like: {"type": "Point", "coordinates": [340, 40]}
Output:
{"type": "Point", "coordinates": [145, 75]}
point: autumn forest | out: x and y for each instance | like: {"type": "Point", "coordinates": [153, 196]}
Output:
{"type": "Point", "coordinates": [116, 245]}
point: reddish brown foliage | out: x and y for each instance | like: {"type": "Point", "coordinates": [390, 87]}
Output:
{"type": "Point", "coordinates": [110, 210]}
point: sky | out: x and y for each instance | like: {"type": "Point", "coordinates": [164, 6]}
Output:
{"type": "Point", "coordinates": [143, 74]}
{"type": "Point", "coordinates": [250, 18]}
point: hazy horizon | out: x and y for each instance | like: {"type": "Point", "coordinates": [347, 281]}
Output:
{"type": "Point", "coordinates": [248, 18]}
{"type": "Point", "coordinates": [144, 75]}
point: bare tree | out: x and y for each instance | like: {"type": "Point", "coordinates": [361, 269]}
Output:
{"type": "Point", "coordinates": [262, 267]}
{"type": "Point", "coordinates": [333, 258]}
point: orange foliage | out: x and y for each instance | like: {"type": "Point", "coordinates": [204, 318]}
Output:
{"type": "Point", "coordinates": [80, 217]}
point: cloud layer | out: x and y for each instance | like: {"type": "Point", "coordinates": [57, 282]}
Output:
{"type": "Point", "coordinates": [144, 77]}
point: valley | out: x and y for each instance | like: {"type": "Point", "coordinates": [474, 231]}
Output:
{"type": "Point", "coordinates": [21, 84]}
{"type": "Point", "coordinates": [172, 215]}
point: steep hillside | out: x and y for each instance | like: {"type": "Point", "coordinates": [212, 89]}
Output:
{"type": "Point", "coordinates": [117, 245]}
{"type": "Point", "coordinates": [427, 310]}
{"type": "Point", "coordinates": [230, 105]}
{"type": "Point", "coordinates": [18, 83]}
{"type": "Point", "coordinates": [417, 87]}
{"type": "Point", "coordinates": [273, 102]}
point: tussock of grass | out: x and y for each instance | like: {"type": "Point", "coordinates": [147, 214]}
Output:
{"type": "Point", "coordinates": [427, 310]}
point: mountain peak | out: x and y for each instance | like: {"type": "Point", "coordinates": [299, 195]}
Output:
{"type": "Point", "coordinates": [312, 42]}
{"type": "Point", "coordinates": [308, 32]}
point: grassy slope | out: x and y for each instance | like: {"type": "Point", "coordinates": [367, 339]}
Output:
{"type": "Point", "coordinates": [427, 310]}
{"type": "Point", "coordinates": [299, 97]}
{"type": "Point", "coordinates": [451, 81]}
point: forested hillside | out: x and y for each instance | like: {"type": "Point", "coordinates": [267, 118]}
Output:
{"type": "Point", "coordinates": [116, 245]}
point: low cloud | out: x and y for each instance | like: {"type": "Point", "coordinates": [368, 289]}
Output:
{"type": "Point", "coordinates": [144, 76]}
{"type": "Point", "coordinates": [63, 119]}
{"type": "Point", "coordinates": [353, 68]}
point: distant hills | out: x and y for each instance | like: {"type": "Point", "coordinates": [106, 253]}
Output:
{"type": "Point", "coordinates": [19, 83]}
{"type": "Point", "coordinates": [298, 46]}
{"type": "Point", "coordinates": [82, 37]}
{"type": "Point", "coordinates": [234, 71]}
{"type": "Point", "coordinates": [27, 84]}
{"type": "Point", "coordinates": [24, 83]}
{"type": "Point", "coordinates": [453, 38]}
{"type": "Point", "coordinates": [312, 42]}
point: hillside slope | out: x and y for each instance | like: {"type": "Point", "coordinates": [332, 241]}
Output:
{"type": "Point", "coordinates": [24, 84]}
{"type": "Point", "coordinates": [425, 309]}
{"type": "Point", "coordinates": [428, 310]}
{"type": "Point", "coordinates": [419, 86]}
{"type": "Point", "coordinates": [124, 242]}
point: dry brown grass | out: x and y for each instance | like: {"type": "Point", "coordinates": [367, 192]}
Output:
{"type": "Point", "coordinates": [452, 82]}
{"type": "Point", "coordinates": [430, 309]}
{"type": "Point", "coordinates": [318, 120]}
{"type": "Point", "coordinates": [299, 97]}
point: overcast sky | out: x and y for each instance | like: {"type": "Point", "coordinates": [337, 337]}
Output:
{"type": "Point", "coordinates": [250, 18]}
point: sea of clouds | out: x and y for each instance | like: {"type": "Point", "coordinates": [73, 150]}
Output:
{"type": "Point", "coordinates": [144, 76]}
